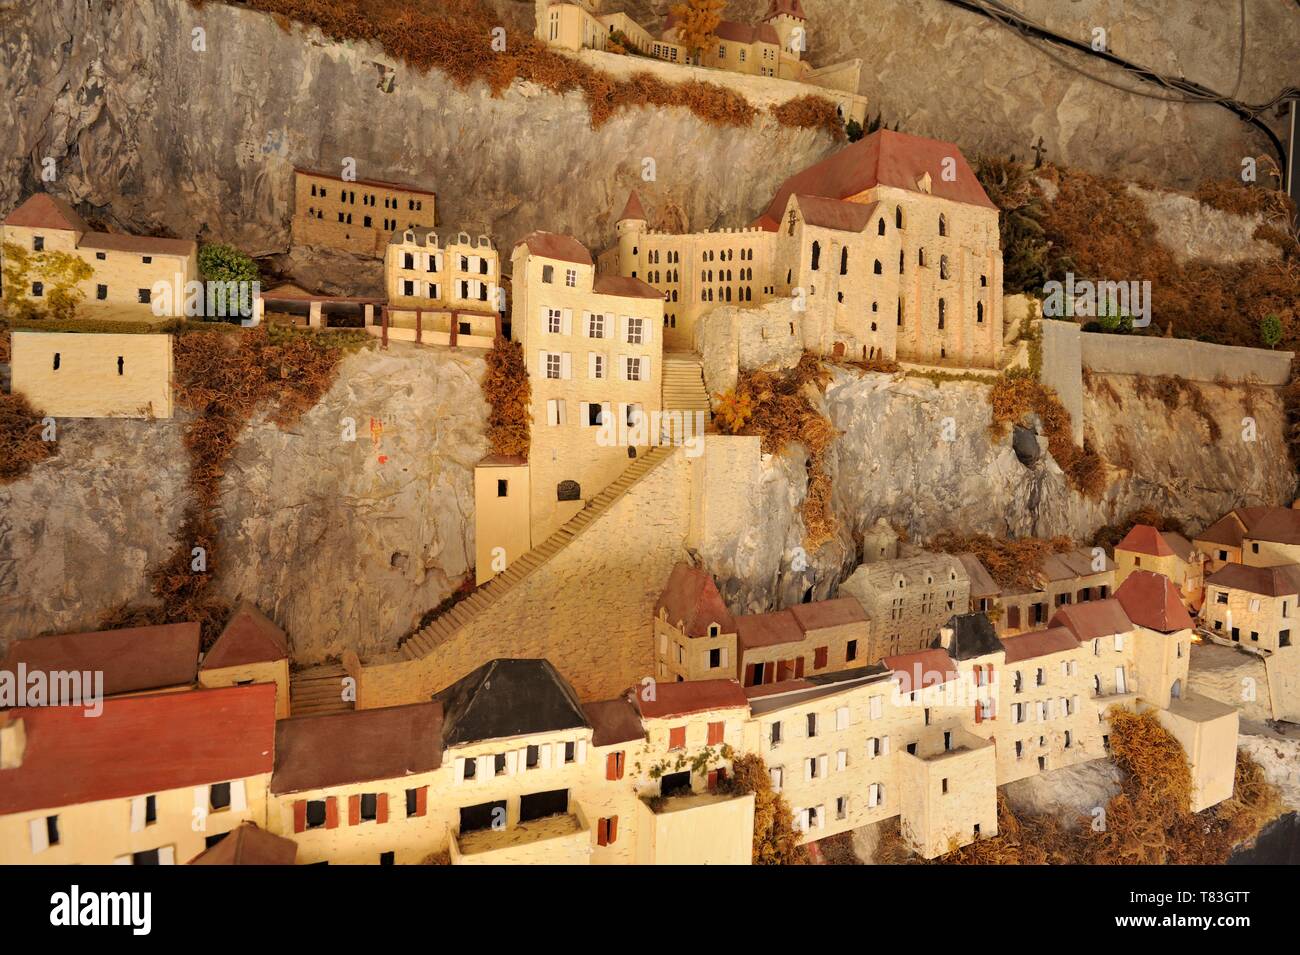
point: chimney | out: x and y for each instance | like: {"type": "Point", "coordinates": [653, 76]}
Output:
{"type": "Point", "coordinates": [13, 741]}
{"type": "Point", "coordinates": [945, 637]}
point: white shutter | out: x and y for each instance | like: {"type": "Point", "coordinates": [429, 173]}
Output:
{"type": "Point", "coordinates": [1254, 605]}
{"type": "Point", "coordinates": [873, 747]}
{"type": "Point", "coordinates": [776, 779]}
{"type": "Point", "coordinates": [586, 324]}
{"type": "Point", "coordinates": [606, 413]}
{"type": "Point", "coordinates": [842, 760]}
{"type": "Point", "coordinates": [876, 707]}
{"type": "Point", "coordinates": [563, 409]}
{"type": "Point", "coordinates": [1119, 641]}
{"type": "Point", "coordinates": [1119, 680]}
{"type": "Point", "coordinates": [201, 798]}
{"type": "Point", "coordinates": [803, 820]}
{"type": "Point", "coordinates": [723, 656]}
{"type": "Point", "coordinates": [541, 364]}
{"type": "Point", "coordinates": [622, 328]}
{"type": "Point", "coordinates": [552, 413]}
{"type": "Point", "coordinates": [645, 369]}
{"type": "Point", "coordinates": [591, 365]}
{"type": "Point", "coordinates": [808, 769]}
{"type": "Point", "coordinates": [437, 262]}
{"type": "Point", "coordinates": [460, 769]}
{"type": "Point", "coordinates": [582, 751]}
{"type": "Point", "coordinates": [543, 312]}
{"type": "Point", "coordinates": [842, 718]}
{"type": "Point", "coordinates": [620, 364]}
{"type": "Point", "coordinates": [566, 321]}
{"type": "Point", "coordinates": [512, 763]}
{"type": "Point", "coordinates": [137, 813]}
{"type": "Point", "coordinates": [545, 755]}
{"type": "Point", "coordinates": [522, 757]}
{"type": "Point", "coordinates": [821, 766]}
{"type": "Point", "coordinates": [238, 796]}
{"type": "Point", "coordinates": [584, 413]}
{"type": "Point", "coordinates": [566, 366]}
{"type": "Point", "coordinates": [486, 767]}
{"type": "Point", "coordinates": [885, 746]}
{"type": "Point", "coordinates": [873, 795]}
{"type": "Point", "coordinates": [40, 835]}
{"type": "Point", "coordinates": [167, 855]}
{"type": "Point", "coordinates": [1074, 706]}
{"type": "Point", "coordinates": [1065, 668]}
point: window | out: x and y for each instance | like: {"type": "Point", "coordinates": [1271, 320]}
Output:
{"type": "Point", "coordinates": [635, 328]}
{"type": "Point", "coordinates": [548, 274]}
{"type": "Point", "coordinates": [219, 796]}
{"type": "Point", "coordinates": [470, 769]}
{"type": "Point", "coordinates": [812, 725]}
{"type": "Point", "coordinates": [316, 814]}
{"type": "Point", "coordinates": [1221, 597]}
{"type": "Point", "coordinates": [369, 807]}
{"type": "Point", "coordinates": [38, 289]}
{"type": "Point", "coordinates": [503, 487]}
{"type": "Point", "coordinates": [715, 732]}
{"type": "Point", "coordinates": [677, 737]}
{"type": "Point", "coordinates": [570, 752]}
{"type": "Point", "coordinates": [715, 658]}
{"type": "Point", "coordinates": [606, 831]}
{"type": "Point", "coordinates": [552, 365]}
{"type": "Point", "coordinates": [142, 296]}
{"type": "Point", "coordinates": [634, 369]}
{"type": "Point", "coordinates": [38, 243]}
{"type": "Point", "coordinates": [596, 326]}
{"type": "Point", "coordinates": [614, 766]}
{"type": "Point", "coordinates": [101, 256]}
{"type": "Point", "coordinates": [851, 651]}
{"type": "Point", "coordinates": [499, 764]}
{"type": "Point", "coordinates": [571, 277]}
{"type": "Point", "coordinates": [554, 321]}
{"type": "Point", "coordinates": [816, 256]}
{"type": "Point", "coordinates": [101, 292]}
{"type": "Point", "coordinates": [417, 801]}
{"type": "Point", "coordinates": [820, 657]}
{"type": "Point", "coordinates": [774, 736]}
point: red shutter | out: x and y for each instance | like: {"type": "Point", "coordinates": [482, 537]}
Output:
{"type": "Point", "coordinates": [620, 765]}
{"type": "Point", "coordinates": [820, 657]}
{"type": "Point", "coordinates": [381, 810]}
{"type": "Point", "coordinates": [677, 737]}
{"type": "Point", "coordinates": [715, 733]}
{"type": "Point", "coordinates": [612, 833]}
{"type": "Point", "coordinates": [602, 831]}
{"type": "Point", "coordinates": [989, 679]}
{"type": "Point", "coordinates": [422, 800]}
{"type": "Point", "coordinates": [354, 810]}
{"type": "Point", "coordinates": [798, 668]}
{"type": "Point", "coordinates": [331, 812]}
{"type": "Point", "coordinates": [299, 815]}
{"type": "Point", "coordinates": [611, 766]}
{"type": "Point", "coordinates": [751, 674]}
{"type": "Point", "coordinates": [713, 779]}
{"type": "Point", "coordinates": [979, 713]}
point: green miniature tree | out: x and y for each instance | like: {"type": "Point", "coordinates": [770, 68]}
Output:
{"type": "Point", "coordinates": [1270, 330]}
{"type": "Point", "coordinates": [853, 130]}
{"type": "Point", "coordinates": [222, 264]}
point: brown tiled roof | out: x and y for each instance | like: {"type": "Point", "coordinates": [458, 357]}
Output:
{"type": "Point", "coordinates": [1038, 643]}
{"type": "Point", "coordinates": [375, 183]}
{"type": "Point", "coordinates": [836, 213]}
{"type": "Point", "coordinates": [885, 158]}
{"type": "Point", "coordinates": [132, 660]}
{"type": "Point", "coordinates": [248, 845]}
{"type": "Point", "coordinates": [768, 629]}
{"type": "Point", "coordinates": [1227, 530]}
{"type": "Point", "coordinates": [633, 209]}
{"type": "Point", "coordinates": [141, 244]}
{"type": "Point", "coordinates": [140, 744]}
{"type": "Point", "coordinates": [1180, 545]}
{"type": "Point", "coordinates": [550, 245]}
{"type": "Point", "coordinates": [828, 613]}
{"type": "Point", "coordinates": [613, 721]}
{"type": "Point", "coordinates": [1152, 601]}
{"type": "Point", "coordinates": [694, 696]}
{"type": "Point", "coordinates": [249, 637]}
{"type": "Point", "coordinates": [1145, 539]}
{"type": "Point", "coordinates": [1269, 581]}
{"type": "Point", "coordinates": [793, 8]}
{"type": "Point", "coordinates": [691, 598]}
{"type": "Point", "coordinates": [933, 667]}
{"type": "Point", "coordinates": [1074, 563]}
{"type": "Point", "coordinates": [625, 287]}
{"type": "Point", "coordinates": [44, 211]}
{"type": "Point", "coordinates": [1279, 525]}
{"type": "Point", "coordinates": [338, 749]}
{"type": "Point", "coordinates": [981, 581]}
{"type": "Point", "coordinates": [1092, 619]}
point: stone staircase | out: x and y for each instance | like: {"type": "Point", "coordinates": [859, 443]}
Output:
{"type": "Point", "coordinates": [426, 641]}
{"type": "Point", "coordinates": [683, 383]}
{"type": "Point", "coordinates": [318, 690]}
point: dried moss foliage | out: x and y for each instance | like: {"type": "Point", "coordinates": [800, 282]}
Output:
{"type": "Point", "coordinates": [1101, 231]}
{"type": "Point", "coordinates": [1111, 534]}
{"type": "Point", "coordinates": [507, 391]}
{"type": "Point", "coordinates": [810, 112]}
{"type": "Point", "coordinates": [1147, 823]}
{"type": "Point", "coordinates": [21, 447]}
{"type": "Point", "coordinates": [1017, 393]}
{"type": "Point", "coordinates": [1012, 562]}
{"type": "Point", "coordinates": [775, 840]}
{"type": "Point", "coordinates": [776, 407]}
{"type": "Point", "coordinates": [455, 37]}
{"type": "Point", "coordinates": [1025, 246]}
{"type": "Point", "coordinates": [225, 379]}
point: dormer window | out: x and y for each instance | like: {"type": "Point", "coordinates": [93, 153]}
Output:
{"type": "Point", "coordinates": [714, 630]}
{"type": "Point", "coordinates": [923, 183]}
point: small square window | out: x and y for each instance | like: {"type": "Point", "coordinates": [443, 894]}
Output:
{"type": "Point", "coordinates": [315, 813]}
{"type": "Point", "coordinates": [219, 796]}
{"type": "Point", "coordinates": [369, 807]}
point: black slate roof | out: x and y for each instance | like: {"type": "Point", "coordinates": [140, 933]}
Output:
{"type": "Point", "coordinates": [505, 698]}
{"type": "Point", "coordinates": [973, 636]}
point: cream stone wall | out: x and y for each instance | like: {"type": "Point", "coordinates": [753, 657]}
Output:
{"type": "Point", "coordinates": [120, 277]}
{"type": "Point", "coordinates": [99, 833]}
{"type": "Point", "coordinates": [80, 375]}
{"type": "Point", "coordinates": [681, 657]}
{"type": "Point", "coordinates": [1186, 576]}
{"type": "Point", "coordinates": [1207, 731]}
{"type": "Point", "coordinates": [949, 796]}
{"type": "Point", "coordinates": [705, 829]}
{"type": "Point", "coordinates": [357, 216]}
{"type": "Point", "coordinates": [1018, 614]}
{"type": "Point", "coordinates": [1035, 721]}
{"type": "Point", "coordinates": [907, 617]}
{"type": "Point", "coordinates": [1251, 621]}
{"type": "Point", "coordinates": [464, 272]}
{"type": "Point", "coordinates": [605, 584]}
{"type": "Point", "coordinates": [1262, 553]}
{"type": "Point", "coordinates": [565, 445]}
{"type": "Point", "coordinates": [1282, 670]}
{"type": "Point", "coordinates": [275, 671]}
{"type": "Point", "coordinates": [501, 530]}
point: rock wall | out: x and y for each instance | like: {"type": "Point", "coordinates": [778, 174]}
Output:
{"type": "Point", "coordinates": [346, 544]}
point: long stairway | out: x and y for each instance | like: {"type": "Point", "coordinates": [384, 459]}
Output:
{"type": "Point", "coordinates": [425, 641]}
{"type": "Point", "coordinates": [318, 690]}
{"type": "Point", "coordinates": [683, 383]}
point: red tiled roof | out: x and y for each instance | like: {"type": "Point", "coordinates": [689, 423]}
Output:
{"type": "Point", "coordinates": [140, 244]}
{"type": "Point", "coordinates": [249, 845]}
{"type": "Point", "coordinates": [1267, 581]}
{"type": "Point", "coordinates": [1092, 619]}
{"type": "Point", "coordinates": [132, 660]}
{"type": "Point", "coordinates": [633, 208]}
{"type": "Point", "coordinates": [828, 613]}
{"type": "Point", "coordinates": [338, 749]}
{"type": "Point", "coordinates": [1038, 643]}
{"type": "Point", "coordinates": [550, 245]}
{"type": "Point", "coordinates": [1145, 539]}
{"type": "Point", "coordinates": [695, 696]}
{"type": "Point", "coordinates": [44, 211]}
{"type": "Point", "coordinates": [885, 158]}
{"type": "Point", "coordinates": [249, 637]}
{"type": "Point", "coordinates": [792, 8]}
{"type": "Point", "coordinates": [613, 721]}
{"type": "Point", "coordinates": [139, 745]}
{"type": "Point", "coordinates": [931, 667]}
{"type": "Point", "coordinates": [625, 287]}
{"type": "Point", "coordinates": [836, 213]}
{"type": "Point", "coordinates": [692, 598]}
{"type": "Point", "coordinates": [1152, 601]}
{"type": "Point", "coordinates": [768, 629]}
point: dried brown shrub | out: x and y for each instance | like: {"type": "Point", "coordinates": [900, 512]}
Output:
{"type": "Point", "coordinates": [775, 840]}
{"type": "Point", "coordinates": [21, 446]}
{"type": "Point", "coordinates": [1111, 534]}
{"type": "Point", "coordinates": [1230, 195]}
{"type": "Point", "coordinates": [1017, 393]}
{"type": "Point", "coordinates": [809, 112]}
{"type": "Point", "coordinates": [1012, 562]}
{"type": "Point", "coordinates": [507, 391]}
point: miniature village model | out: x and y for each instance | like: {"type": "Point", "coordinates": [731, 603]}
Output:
{"type": "Point", "coordinates": [704, 479]}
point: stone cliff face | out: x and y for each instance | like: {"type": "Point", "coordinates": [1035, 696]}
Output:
{"type": "Point", "coordinates": [346, 543]}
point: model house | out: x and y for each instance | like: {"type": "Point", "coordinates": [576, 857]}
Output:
{"type": "Point", "coordinates": [1075, 576]}
{"type": "Point", "coordinates": [593, 347]}
{"type": "Point", "coordinates": [888, 248]}
{"type": "Point", "coordinates": [251, 649]}
{"type": "Point", "coordinates": [908, 599]}
{"type": "Point", "coordinates": [355, 215]}
{"type": "Point", "coordinates": [104, 375]}
{"type": "Point", "coordinates": [1255, 536]}
{"type": "Point", "coordinates": [1164, 552]}
{"type": "Point", "coordinates": [1252, 607]}
{"type": "Point", "coordinates": [443, 290]}
{"type": "Point", "coordinates": [126, 270]}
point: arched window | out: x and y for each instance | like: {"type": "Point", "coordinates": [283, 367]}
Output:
{"type": "Point", "coordinates": [943, 266]}
{"type": "Point", "coordinates": [898, 217]}
{"type": "Point", "coordinates": [943, 224]}
{"type": "Point", "coordinates": [816, 256]}
{"type": "Point", "coordinates": [880, 226]}
{"type": "Point", "coordinates": [900, 313]}
{"type": "Point", "coordinates": [568, 491]}
{"type": "Point", "coordinates": [942, 312]}
{"type": "Point", "coordinates": [844, 261]}
{"type": "Point", "coordinates": [877, 268]}
{"type": "Point", "coordinates": [901, 261]}
{"type": "Point", "coordinates": [920, 257]}
{"type": "Point", "coordinates": [979, 313]}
